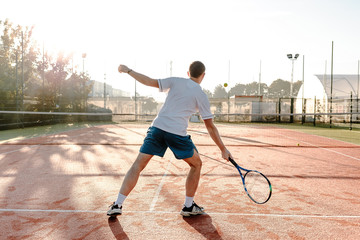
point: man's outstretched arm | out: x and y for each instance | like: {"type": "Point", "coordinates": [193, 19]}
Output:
{"type": "Point", "coordinates": [214, 134]}
{"type": "Point", "coordinates": [139, 77]}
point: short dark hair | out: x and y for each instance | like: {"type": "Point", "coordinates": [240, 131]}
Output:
{"type": "Point", "coordinates": [196, 69]}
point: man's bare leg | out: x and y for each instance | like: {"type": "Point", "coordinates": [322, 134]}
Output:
{"type": "Point", "coordinates": [133, 173]}
{"type": "Point", "coordinates": [129, 183]}
{"type": "Point", "coordinates": [192, 180]}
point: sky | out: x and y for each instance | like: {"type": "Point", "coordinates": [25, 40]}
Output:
{"type": "Point", "coordinates": [231, 37]}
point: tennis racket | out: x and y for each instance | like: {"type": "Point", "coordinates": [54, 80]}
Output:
{"type": "Point", "coordinates": [257, 186]}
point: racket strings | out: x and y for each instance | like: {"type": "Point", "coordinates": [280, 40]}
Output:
{"type": "Point", "coordinates": [257, 186]}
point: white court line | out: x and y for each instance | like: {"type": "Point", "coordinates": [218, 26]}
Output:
{"type": "Point", "coordinates": [32, 146]}
{"type": "Point", "coordinates": [156, 196]}
{"type": "Point", "coordinates": [326, 149]}
{"type": "Point", "coordinates": [16, 150]}
{"type": "Point", "coordinates": [169, 212]}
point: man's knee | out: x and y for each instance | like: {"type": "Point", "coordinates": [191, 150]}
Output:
{"type": "Point", "coordinates": [141, 161]}
{"type": "Point", "coordinates": [194, 161]}
{"type": "Point", "coordinates": [198, 163]}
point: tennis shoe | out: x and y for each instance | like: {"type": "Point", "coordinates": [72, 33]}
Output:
{"type": "Point", "coordinates": [114, 210]}
{"type": "Point", "coordinates": [193, 210]}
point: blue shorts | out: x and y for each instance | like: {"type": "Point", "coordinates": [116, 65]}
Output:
{"type": "Point", "coordinates": [157, 141]}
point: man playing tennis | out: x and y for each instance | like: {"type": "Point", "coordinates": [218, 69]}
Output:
{"type": "Point", "coordinates": [184, 98]}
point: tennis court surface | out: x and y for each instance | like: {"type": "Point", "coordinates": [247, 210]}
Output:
{"type": "Point", "coordinates": [59, 186]}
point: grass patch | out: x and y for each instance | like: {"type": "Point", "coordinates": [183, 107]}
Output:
{"type": "Point", "coordinates": [338, 133]}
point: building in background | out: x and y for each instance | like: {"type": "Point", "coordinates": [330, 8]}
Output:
{"type": "Point", "coordinates": [121, 102]}
{"type": "Point", "coordinates": [317, 93]}
{"type": "Point", "coordinates": [98, 90]}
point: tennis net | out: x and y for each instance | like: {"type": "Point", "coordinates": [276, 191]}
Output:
{"type": "Point", "coordinates": [18, 119]}
{"type": "Point", "coordinates": [348, 119]}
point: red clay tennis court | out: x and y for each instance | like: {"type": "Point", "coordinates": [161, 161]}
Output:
{"type": "Point", "coordinates": [59, 186]}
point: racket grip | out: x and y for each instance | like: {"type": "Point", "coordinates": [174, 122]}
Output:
{"type": "Point", "coordinates": [233, 162]}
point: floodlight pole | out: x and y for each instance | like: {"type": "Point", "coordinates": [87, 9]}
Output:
{"type": "Point", "coordinates": [228, 93]}
{"type": "Point", "coordinates": [83, 57]}
{"type": "Point", "coordinates": [303, 89]}
{"type": "Point", "coordinates": [22, 71]}
{"type": "Point", "coordinates": [17, 81]}
{"type": "Point", "coordinates": [332, 79]}
{"type": "Point", "coordinates": [260, 80]}
{"type": "Point", "coordinates": [135, 99]}
{"type": "Point", "coordinates": [43, 78]}
{"type": "Point", "coordinates": [83, 87]}
{"type": "Point", "coordinates": [171, 63]}
{"type": "Point", "coordinates": [292, 58]}
{"type": "Point", "coordinates": [358, 88]}
{"type": "Point", "coordinates": [104, 90]}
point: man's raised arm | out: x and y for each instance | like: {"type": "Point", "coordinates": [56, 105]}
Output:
{"type": "Point", "coordinates": [139, 77]}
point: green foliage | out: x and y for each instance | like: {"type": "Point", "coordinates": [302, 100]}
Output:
{"type": "Point", "coordinates": [278, 89]}
{"type": "Point", "coordinates": [208, 93]}
{"type": "Point", "coordinates": [33, 82]}
{"type": "Point", "coordinates": [220, 92]}
{"type": "Point", "coordinates": [238, 89]}
{"type": "Point", "coordinates": [149, 105]}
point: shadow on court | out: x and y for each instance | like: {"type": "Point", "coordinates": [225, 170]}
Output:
{"type": "Point", "coordinates": [203, 224]}
{"type": "Point", "coordinates": [46, 177]}
{"type": "Point", "coordinates": [117, 229]}
{"type": "Point", "coordinates": [59, 186]}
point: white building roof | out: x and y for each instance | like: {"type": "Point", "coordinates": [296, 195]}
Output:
{"type": "Point", "coordinates": [343, 85]}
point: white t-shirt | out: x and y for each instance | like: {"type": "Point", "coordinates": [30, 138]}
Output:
{"type": "Point", "coordinates": [184, 98]}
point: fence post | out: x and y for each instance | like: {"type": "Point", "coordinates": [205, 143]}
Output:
{"type": "Point", "coordinates": [351, 109]}
{"type": "Point", "coordinates": [279, 120]}
{"type": "Point", "coordinates": [292, 110]}
{"type": "Point", "coordinates": [314, 111]}
{"type": "Point", "coordinates": [303, 111]}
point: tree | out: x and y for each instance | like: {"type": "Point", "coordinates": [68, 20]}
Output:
{"type": "Point", "coordinates": [238, 89]}
{"type": "Point", "coordinates": [279, 88]}
{"type": "Point", "coordinates": [264, 89]}
{"type": "Point", "coordinates": [17, 56]}
{"type": "Point", "coordinates": [149, 105]}
{"type": "Point", "coordinates": [46, 78]}
{"type": "Point", "coordinates": [252, 89]}
{"type": "Point", "coordinates": [220, 92]}
{"type": "Point", "coordinates": [208, 93]}
{"type": "Point", "coordinates": [55, 79]}
{"type": "Point", "coordinates": [296, 87]}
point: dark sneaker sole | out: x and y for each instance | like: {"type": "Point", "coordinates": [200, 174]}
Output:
{"type": "Point", "coordinates": [188, 214]}
{"type": "Point", "coordinates": [113, 215]}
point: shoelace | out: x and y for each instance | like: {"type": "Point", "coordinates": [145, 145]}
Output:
{"type": "Point", "coordinates": [113, 205]}
{"type": "Point", "coordinates": [197, 206]}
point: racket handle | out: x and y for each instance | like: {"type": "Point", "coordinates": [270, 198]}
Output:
{"type": "Point", "coordinates": [233, 162]}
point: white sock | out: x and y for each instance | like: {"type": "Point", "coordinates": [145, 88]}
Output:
{"type": "Point", "coordinates": [121, 198]}
{"type": "Point", "coordinates": [188, 201]}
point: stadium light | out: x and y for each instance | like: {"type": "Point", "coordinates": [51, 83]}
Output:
{"type": "Point", "coordinates": [292, 58]}
{"type": "Point", "coordinates": [1, 46]}
{"type": "Point", "coordinates": [358, 89]}
{"type": "Point", "coordinates": [83, 57]}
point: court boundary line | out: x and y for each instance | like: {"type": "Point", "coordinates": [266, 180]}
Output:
{"type": "Point", "coordinates": [169, 212]}
{"type": "Point", "coordinates": [158, 190]}
{"type": "Point", "coordinates": [39, 144]}
{"type": "Point", "coordinates": [326, 149]}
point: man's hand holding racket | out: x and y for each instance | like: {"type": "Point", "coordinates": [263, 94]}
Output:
{"type": "Point", "coordinates": [226, 154]}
